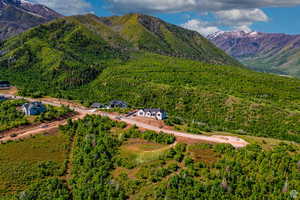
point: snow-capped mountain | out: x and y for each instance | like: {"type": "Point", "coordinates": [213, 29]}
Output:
{"type": "Point", "coordinates": [268, 52]}
{"type": "Point", "coordinates": [17, 16]}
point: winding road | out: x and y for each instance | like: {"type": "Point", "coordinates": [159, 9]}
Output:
{"type": "Point", "coordinates": [82, 111]}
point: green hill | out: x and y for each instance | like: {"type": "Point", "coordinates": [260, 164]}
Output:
{"type": "Point", "coordinates": [154, 35]}
{"type": "Point", "coordinates": [133, 58]}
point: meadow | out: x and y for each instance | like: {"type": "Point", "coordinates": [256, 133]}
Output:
{"type": "Point", "coordinates": [25, 162]}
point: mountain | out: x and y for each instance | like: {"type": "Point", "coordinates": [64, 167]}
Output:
{"type": "Point", "coordinates": [17, 16]}
{"type": "Point", "coordinates": [152, 34]}
{"type": "Point", "coordinates": [266, 52]}
{"type": "Point", "coordinates": [92, 59]}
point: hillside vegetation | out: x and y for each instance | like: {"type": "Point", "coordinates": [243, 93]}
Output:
{"type": "Point", "coordinates": [95, 59]}
{"type": "Point", "coordinates": [11, 115]}
{"type": "Point", "coordinates": [99, 169]}
{"type": "Point", "coordinates": [26, 162]}
{"type": "Point", "coordinates": [154, 35]}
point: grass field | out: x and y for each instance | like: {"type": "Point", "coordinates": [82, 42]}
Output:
{"type": "Point", "coordinates": [138, 151]}
{"type": "Point", "coordinates": [150, 164]}
{"type": "Point", "coordinates": [25, 162]}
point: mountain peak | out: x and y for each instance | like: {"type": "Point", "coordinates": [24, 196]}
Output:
{"type": "Point", "coordinates": [265, 52]}
{"type": "Point", "coordinates": [153, 34]}
{"type": "Point", "coordinates": [20, 15]}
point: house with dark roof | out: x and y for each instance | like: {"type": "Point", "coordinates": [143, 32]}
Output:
{"type": "Point", "coordinates": [2, 98]}
{"type": "Point", "coordinates": [154, 113]}
{"type": "Point", "coordinates": [97, 105]}
{"type": "Point", "coordinates": [33, 108]}
{"type": "Point", "coordinates": [4, 85]}
{"type": "Point", "coordinates": [117, 104]}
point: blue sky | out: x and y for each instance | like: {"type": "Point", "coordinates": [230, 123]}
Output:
{"type": "Point", "coordinates": [204, 16]}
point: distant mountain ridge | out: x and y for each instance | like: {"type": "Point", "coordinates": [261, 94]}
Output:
{"type": "Point", "coordinates": [17, 16]}
{"type": "Point", "coordinates": [267, 52]}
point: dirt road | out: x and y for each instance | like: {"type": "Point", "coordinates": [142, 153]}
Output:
{"type": "Point", "coordinates": [36, 129]}
{"type": "Point", "coordinates": [234, 141]}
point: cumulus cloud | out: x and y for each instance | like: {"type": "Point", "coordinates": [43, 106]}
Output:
{"type": "Point", "coordinates": [234, 14]}
{"type": "Point", "coordinates": [201, 26]}
{"type": "Point", "coordinates": [67, 7]}
{"type": "Point", "coordinates": [194, 5]}
{"type": "Point", "coordinates": [240, 19]}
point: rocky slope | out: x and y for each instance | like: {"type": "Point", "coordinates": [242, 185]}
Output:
{"type": "Point", "coordinates": [17, 16]}
{"type": "Point", "coordinates": [275, 53]}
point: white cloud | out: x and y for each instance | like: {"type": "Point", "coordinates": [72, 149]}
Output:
{"type": "Point", "coordinates": [194, 5]}
{"type": "Point", "coordinates": [240, 19]}
{"type": "Point", "coordinates": [242, 16]}
{"type": "Point", "coordinates": [67, 7]}
{"type": "Point", "coordinates": [202, 27]}
{"type": "Point", "coordinates": [233, 14]}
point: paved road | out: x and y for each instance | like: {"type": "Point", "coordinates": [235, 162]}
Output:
{"type": "Point", "coordinates": [235, 141]}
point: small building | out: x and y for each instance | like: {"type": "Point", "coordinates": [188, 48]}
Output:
{"type": "Point", "coordinates": [3, 98]}
{"type": "Point", "coordinates": [154, 113]}
{"type": "Point", "coordinates": [4, 85]}
{"type": "Point", "coordinates": [117, 104]}
{"type": "Point", "coordinates": [97, 105]}
{"type": "Point", "coordinates": [34, 108]}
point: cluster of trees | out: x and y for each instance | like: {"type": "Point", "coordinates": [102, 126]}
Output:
{"type": "Point", "coordinates": [93, 158]}
{"type": "Point", "coordinates": [53, 113]}
{"type": "Point", "coordinates": [249, 173]}
{"type": "Point", "coordinates": [160, 138]}
{"type": "Point", "coordinates": [10, 117]}
{"type": "Point", "coordinates": [48, 189]}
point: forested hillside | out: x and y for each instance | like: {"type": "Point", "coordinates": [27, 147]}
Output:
{"type": "Point", "coordinates": [110, 162]}
{"type": "Point", "coordinates": [95, 59]}
{"type": "Point", "coordinates": [207, 97]}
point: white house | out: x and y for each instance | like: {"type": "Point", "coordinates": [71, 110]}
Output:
{"type": "Point", "coordinates": [152, 113]}
{"type": "Point", "coordinates": [34, 108]}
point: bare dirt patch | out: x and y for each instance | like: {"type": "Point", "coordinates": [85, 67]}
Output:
{"type": "Point", "coordinates": [192, 141]}
{"type": "Point", "coordinates": [11, 91]}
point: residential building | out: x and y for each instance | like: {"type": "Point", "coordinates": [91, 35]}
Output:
{"type": "Point", "coordinates": [97, 105]}
{"type": "Point", "coordinates": [34, 108]}
{"type": "Point", "coordinates": [2, 98]}
{"type": "Point", "coordinates": [117, 104]}
{"type": "Point", "coordinates": [154, 113]}
{"type": "Point", "coordinates": [4, 84]}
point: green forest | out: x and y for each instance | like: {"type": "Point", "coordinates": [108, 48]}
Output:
{"type": "Point", "coordinates": [168, 170]}
{"type": "Point", "coordinates": [83, 58]}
